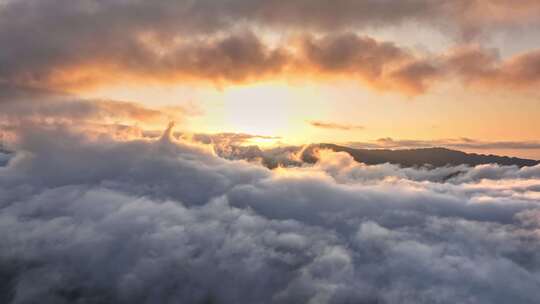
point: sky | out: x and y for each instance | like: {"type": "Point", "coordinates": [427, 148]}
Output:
{"type": "Point", "coordinates": [303, 71]}
{"type": "Point", "coordinates": [134, 136]}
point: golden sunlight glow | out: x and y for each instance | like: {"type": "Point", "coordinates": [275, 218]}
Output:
{"type": "Point", "coordinates": [264, 142]}
{"type": "Point", "coordinates": [279, 109]}
{"type": "Point", "coordinates": [284, 109]}
{"type": "Point", "coordinates": [259, 109]}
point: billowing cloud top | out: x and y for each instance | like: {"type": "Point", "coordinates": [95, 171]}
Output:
{"type": "Point", "coordinates": [95, 208]}
{"type": "Point", "coordinates": [154, 221]}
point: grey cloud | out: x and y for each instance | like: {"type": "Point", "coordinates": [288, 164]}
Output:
{"type": "Point", "coordinates": [350, 52]}
{"type": "Point", "coordinates": [343, 168]}
{"type": "Point", "coordinates": [5, 156]}
{"type": "Point", "coordinates": [20, 106]}
{"type": "Point", "coordinates": [62, 44]}
{"type": "Point", "coordinates": [235, 57]}
{"type": "Point", "coordinates": [416, 76]}
{"type": "Point", "coordinates": [239, 146]}
{"type": "Point", "coordinates": [209, 15]}
{"type": "Point", "coordinates": [90, 219]}
{"type": "Point", "coordinates": [482, 67]}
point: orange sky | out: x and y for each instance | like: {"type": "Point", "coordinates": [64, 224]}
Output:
{"type": "Point", "coordinates": [286, 109]}
{"type": "Point", "coordinates": [355, 73]}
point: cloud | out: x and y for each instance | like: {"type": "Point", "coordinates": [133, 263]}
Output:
{"type": "Point", "coordinates": [5, 156]}
{"type": "Point", "coordinates": [20, 106]}
{"type": "Point", "coordinates": [227, 139]}
{"type": "Point", "coordinates": [89, 218]}
{"type": "Point", "coordinates": [244, 57]}
{"type": "Point", "coordinates": [482, 67]}
{"type": "Point", "coordinates": [334, 126]}
{"type": "Point", "coordinates": [53, 44]}
{"type": "Point", "coordinates": [457, 143]}
{"type": "Point", "coordinates": [231, 58]}
{"type": "Point", "coordinates": [210, 16]}
{"type": "Point", "coordinates": [238, 57]}
{"type": "Point", "coordinates": [23, 107]}
{"type": "Point", "coordinates": [406, 153]}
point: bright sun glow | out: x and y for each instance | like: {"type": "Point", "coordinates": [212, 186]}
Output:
{"type": "Point", "coordinates": [275, 109]}
{"type": "Point", "coordinates": [264, 141]}
{"type": "Point", "coordinates": [259, 109]}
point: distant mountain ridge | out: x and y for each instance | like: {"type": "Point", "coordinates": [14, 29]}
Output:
{"type": "Point", "coordinates": [436, 157]}
{"type": "Point", "coordinates": [232, 146]}
{"type": "Point", "coordinates": [280, 156]}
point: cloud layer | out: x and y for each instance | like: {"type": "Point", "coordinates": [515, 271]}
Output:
{"type": "Point", "coordinates": [58, 44]}
{"type": "Point", "coordinates": [457, 143]}
{"type": "Point", "coordinates": [23, 107]}
{"type": "Point", "coordinates": [95, 210]}
{"type": "Point", "coordinates": [160, 221]}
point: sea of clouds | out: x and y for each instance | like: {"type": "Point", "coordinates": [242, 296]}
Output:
{"type": "Point", "coordinates": [87, 218]}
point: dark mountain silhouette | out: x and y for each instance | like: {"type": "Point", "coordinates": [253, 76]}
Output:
{"type": "Point", "coordinates": [230, 146]}
{"type": "Point", "coordinates": [436, 157]}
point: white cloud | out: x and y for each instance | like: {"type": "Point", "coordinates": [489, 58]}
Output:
{"type": "Point", "coordinates": [91, 219]}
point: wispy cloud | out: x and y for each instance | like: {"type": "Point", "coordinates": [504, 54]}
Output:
{"type": "Point", "coordinates": [335, 126]}
{"type": "Point", "coordinates": [459, 143]}
{"type": "Point", "coordinates": [22, 107]}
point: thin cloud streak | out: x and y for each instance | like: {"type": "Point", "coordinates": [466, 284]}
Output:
{"type": "Point", "coordinates": [463, 143]}
{"type": "Point", "coordinates": [335, 126]}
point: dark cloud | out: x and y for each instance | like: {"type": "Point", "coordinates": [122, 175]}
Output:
{"type": "Point", "coordinates": [478, 66]}
{"type": "Point", "coordinates": [350, 52]}
{"type": "Point", "coordinates": [59, 44]}
{"type": "Point", "coordinates": [237, 57]}
{"type": "Point", "coordinates": [5, 155]}
{"type": "Point", "coordinates": [68, 43]}
{"type": "Point", "coordinates": [469, 18]}
{"type": "Point", "coordinates": [335, 126]}
{"type": "Point", "coordinates": [378, 64]}
{"type": "Point", "coordinates": [90, 219]}
{"type": "Point", "coordinates": [416, 77]}
{"type": "Point", "coordinates": [234, 58]}
{"type": "Point", "coordinates": [208, 15]}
